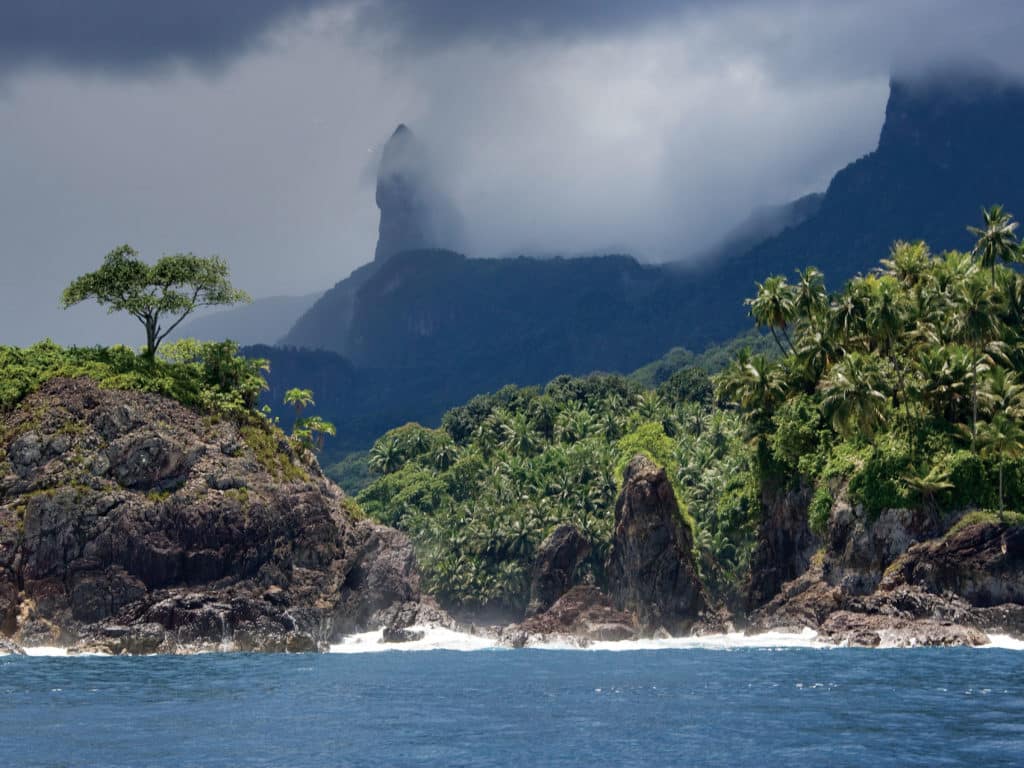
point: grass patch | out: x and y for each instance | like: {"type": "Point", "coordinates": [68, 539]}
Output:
{"type": "Point", "coordinates": [265, 442]}
{"type": "Point", "coordinates": [985, 517]}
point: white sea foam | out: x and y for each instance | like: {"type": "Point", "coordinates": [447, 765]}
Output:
{"type": "Point", "coordinates": [45, 650]}
{"type": "Point", "coordinates": [434, 639]}
{"type": "Point", "coordinates": [437, 638]}
{"type": "Point", "coordinates": [808, 638]}
{"type": "Point", "coordinates": [1004, 642]}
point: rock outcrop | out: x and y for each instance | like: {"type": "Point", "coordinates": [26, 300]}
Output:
{"type": "Point", "coordinates": [555, 567]}
{"type": "Point", "coordinates": [650, 570]}
{"type": "Point", "coordinates": [580, 616]}
{"type": "Point", "coordinates": [785, 543]}
{"type": "Point", "coordinates": [129, 523]}
{"type": "Point", "coordinates": [894, 582]}
{"type": "Point", "coordinates": [414, 213]}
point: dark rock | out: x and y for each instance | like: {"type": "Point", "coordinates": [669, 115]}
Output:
{"type": "Point", "coordinates": [10, 647]}
{"type": "Point", "coordinates": [582, 614]}
{"type": "Point", "coordinates": [147, 460]}
{"type": "Point", "coordinates": [383, 576]}
{"type": "Point", "coordinates": [146, 556]}
{"type": "Point", "coordinates": [984, 563]}
{"type": "Point", "coordinates": [650, 568]}
{"type": "Point", "coordinates": [785, 543]}
{"type": "Point", "coordinates": [95, 595]}
{"type": "Point", "coordinates": [872, 630]}
{"type": "Point", "coordinates": [414, 213]}
{"type": "Point", "coordinates": [860, 550]}
{"type": "Point", "coordinates": [554, 569]}
{"type": "Point", "coordinates": [401, 635]}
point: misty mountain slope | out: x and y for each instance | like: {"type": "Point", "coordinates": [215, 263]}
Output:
{"type": "Point", "coordinates": [415, 214]}
{"type": "Point", "coordinates": [947, 148]}
{"type": "Point", "coordinates": [428, 328]}
{"type": "Point", "coordinates": [262, 322]}
{"type": "Point", "coordinates": [762, 224]}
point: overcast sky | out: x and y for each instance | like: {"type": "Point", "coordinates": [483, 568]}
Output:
{"type": "Point", "coordinates": [250, 128]}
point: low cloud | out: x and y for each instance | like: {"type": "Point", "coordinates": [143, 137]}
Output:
{"type": "Point", "coordinates": [247, 128]}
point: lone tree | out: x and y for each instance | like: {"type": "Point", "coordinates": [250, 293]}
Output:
{"type": "Point", "coordinates": [169, 290]}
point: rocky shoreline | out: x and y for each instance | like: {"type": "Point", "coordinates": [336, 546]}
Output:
{"type": "Point", "coordinates": [130, 524]}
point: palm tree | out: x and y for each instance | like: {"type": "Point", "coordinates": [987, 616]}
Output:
{"type": "Point", "coordinates": [997, 239]}
{"type": "Point", "coordinates": [811, 297]}
{"type": "Point", "coordinates": [756, 385]}
{"type": "Point", "coordinates": [907, 262]}
{"type": "Point", "coordinates": [1003, 392]}
{"type": "Point", "coordinates": [386, 456]}
{"type": "Point", "coordinates": [1002, 439]}
{"type": "Point", "coordinates": [852, 398]}
{"type": "Point", "coordinates": [518, 435]}
{"type": "Point", "coordinates": [299, 399]}
{"type": "Point", "coordinates": [446, 455]}
{"type": "Point", "coordinates": [977, 323]}
{"type": "Point", "coordinates": [930, 483]}
{"type": "Point", "coordinates": [774, 307]}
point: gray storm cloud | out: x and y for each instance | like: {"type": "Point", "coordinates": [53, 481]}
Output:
{"type": "Point", "coordinates": [246, 128]}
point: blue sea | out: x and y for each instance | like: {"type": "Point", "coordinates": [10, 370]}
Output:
{"type": "Point", "coordinates": [727, 706]}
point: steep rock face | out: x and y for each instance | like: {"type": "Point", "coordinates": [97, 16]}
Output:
{"type": "Point", "coordinates": [130, 523]}
{"type": "Point", "coordinates": [983, 563]}
{"type": "Point", "coordinates": [650, 568]}
{"type": "Point", "coordinates": [414, 213]}
{"type": "Point", "coordinates": [785, 543]}
{"type": "Point", "coordinates": [554, 570]}
{"type": "Point", "coordinates": [859, 550]}
{"type": "Point", "coordinates": [888, 582]}
{"type": "Point", "coordinates": [943, 153]}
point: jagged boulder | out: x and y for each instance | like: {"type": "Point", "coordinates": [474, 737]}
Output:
{"type": "Point", "coordinates": [983, 563]}
{"type": "Point", "coordinates": [581, 615]}
{"type": "Point", "coordinates": [555, 567]}
{"type": "Point", "coordinates": [129, 523]}
{"type": "Point", "coordinates": [651, 570]}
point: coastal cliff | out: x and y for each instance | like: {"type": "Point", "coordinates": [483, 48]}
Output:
{"type": "Point", "coordinates": [129, 523]}
{"type": "Point", "coordinates": [897, 579]}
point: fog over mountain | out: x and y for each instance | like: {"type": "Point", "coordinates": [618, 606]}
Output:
{"type": "Point", "coordinates": [253, 130]}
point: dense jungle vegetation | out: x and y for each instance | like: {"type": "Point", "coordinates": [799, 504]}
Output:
{"type": "Point", "coordinates": [903, 388]}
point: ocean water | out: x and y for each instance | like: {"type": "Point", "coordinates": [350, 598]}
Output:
{"type": "Point", "coordinates": [717, 702]}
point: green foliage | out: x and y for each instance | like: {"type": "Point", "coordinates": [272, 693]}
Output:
{"type": "Point", "coordinates": [479, 495]}
{"type": "Point", "coordinates": [985, 517]}
{"type": "Point", "coordinates": [903, 387]}
{"type": "Point", "coordinates": [650, 440]}
{"type": "Point", "coordinates": [878, 484]}
{"type": "Point", "coordinates": [904, 384]}
{"type": "Point", "coordinates": [210, 377]}
{"type": "Point", "coordinates": [971, 485]}
{"type": "Point", "coordinates": [797, 432]}
{"type": "Point", "coordinates": [271, 449]}
{"type": "Point", "coordinates": [171, 289]}
{"type": "Point", "coordinates": [820, 511]}
{"type": "Point", "coordinates": [352, 472]}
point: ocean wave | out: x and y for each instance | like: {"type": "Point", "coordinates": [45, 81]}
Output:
{"type": "Point", "coordinates": [440, 639]}
{"type": "Point", "coordinates": [434, 639]}
{"type": "Point", "coordinates": [1004, 642]}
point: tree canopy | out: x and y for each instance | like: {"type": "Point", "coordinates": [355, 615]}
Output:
{"type": "Point", "coordinates": [154, 294]}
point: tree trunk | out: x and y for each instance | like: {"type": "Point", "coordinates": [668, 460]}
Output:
{"type": "Point", "coordinates": [974, 403]}
{"type": "Point", "coordinates": [1000, 489]}
{"type": "Point", "coordinates": [151, 343]}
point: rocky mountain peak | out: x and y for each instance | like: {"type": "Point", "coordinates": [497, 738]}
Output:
{"type": "Point", "coordinates": [949, 111]}
{"type": "Point", "coordinates": [415, 213]}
